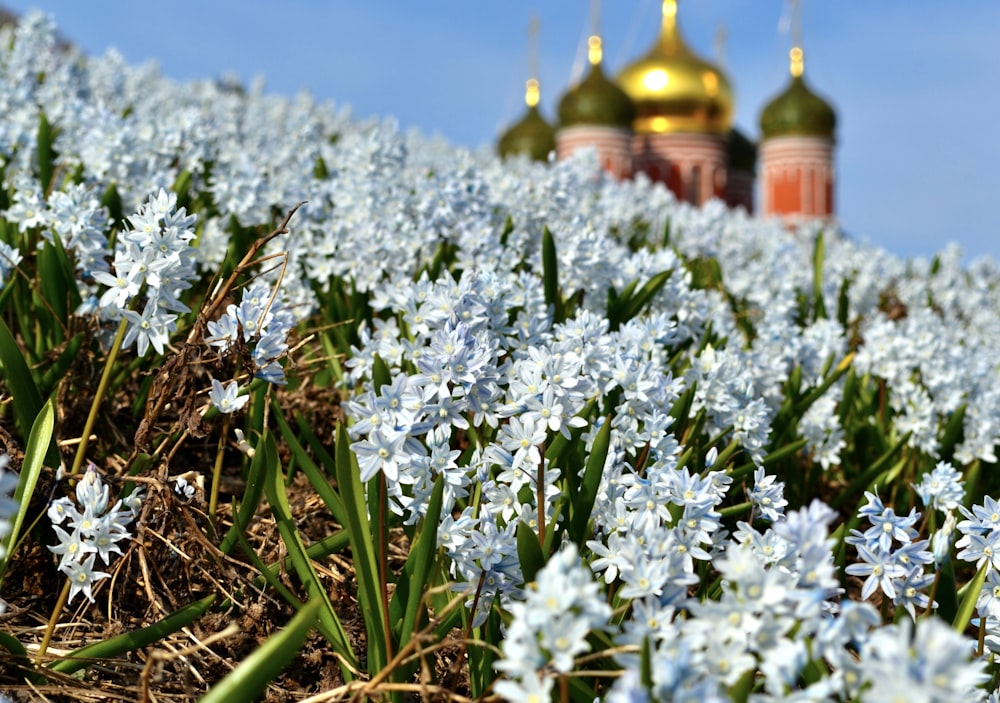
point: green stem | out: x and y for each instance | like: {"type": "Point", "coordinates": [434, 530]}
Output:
{"type": "Point", "coordinates": [982, 637]}
{"type": "Point", "coordinates": [933, 592]}
{"type": "Point", "coordinates": [540, 489]}
{"type": "Point", "coordinates": [53, 619]}
{"type": "Point", "coordinates": [102, 387]}
{"type": "Point", "coordinates": [213, 500]}
{"type": "Point", "coordinates": [383, 544]}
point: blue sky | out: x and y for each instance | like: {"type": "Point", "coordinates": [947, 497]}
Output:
{"type": "Point", "coordinates": [913, 81]}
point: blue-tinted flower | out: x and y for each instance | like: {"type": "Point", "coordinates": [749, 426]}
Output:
{"type": "Point", "coordinates": [941, 488]}
{"type": "Point", "coordinates": [880, 568]}
{"type": "Point", "coordinates": [82, 576]}
{"type": "Point", "coordinates": [768, 495]}
{"type": "Point", "coordinates": [226, 398]}
{"type": "Point", "coordinates": [382, 450]}
{"type": "Point", "coordinates": [97, 528]}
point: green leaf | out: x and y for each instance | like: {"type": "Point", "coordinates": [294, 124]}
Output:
{"type": "Point", "coordinates": [866, 479]}
{"type": "Point", "coordinates": [274, 488]}
{"type": "Point", "coordinates": [968, 605]}
{"type": "Point", "coordinates": [529, 552]}
{"type": "Point", "coordinates": [21, 384]}
{"type": "Point", "coordinates": [250, 678]}
{"type": "Point", "coordinates": [819, 254]}
{"type": "Point", "coordinates": [706, 274]}
{"type": "Point", "coordinates": [381, 375]}
{"type": "Point", "coordinates": [57, 280]}
{"type": "Point", "coordinates": [316, 477]}
{"type": "Point", "coordinates": [18, 657]}
{"type": "Point", "coordinates": [646, 664]}
{"type": "Point", "coordinates": [182, 187]}
{"type": "Point", "coordinates": [46, 155]}
{"type": "Point", "coordinates": [352, 492]}
{"type": "Point", "coordinates": [550, 273]}
{"type": "Point", "coordinates": [268, 574]}
{"type": "Point", "coordinates": [844, 302]}
{"type": "Point", "coordinates": [842, 368]}
{"type": "Point", "coordinates": [60, 367]}
{"type": "Point", "coordinates": [131, 641]}
{"type": "Point", "coordinates": [739, 692]}
{"type": "Point", "coordinates": [251, 495]}
{"type": "Point", "coordinates": [405, 605]}
{"type": "Point", "coordinates": [946, 594]}
{"type": "Point", "coordinates": [39, 441]}
{"type": "Point", "coordinates": [111, 200]}
{"type": "Point", "coordinates": [847, 397]}
{"type": "Point", "coordinates": [630, 304]}
{"type": "Point", "coordinates": [777, 455]}
{"type": "Point", "coordinates": [953, 431]}
{"type": "Point", "coordinates": [583, 501]}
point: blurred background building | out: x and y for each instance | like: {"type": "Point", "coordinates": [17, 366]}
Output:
{"type": "Point", "coordinates": [668, 114]}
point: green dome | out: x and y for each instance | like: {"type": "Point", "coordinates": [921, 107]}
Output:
{"type": "Point", "coordinates": [596, 100]}
{"type": "Point", "coordinates": [798, 112]}
{"type": "Point", "coordinates": [532, 136]}
{"type": "Point", "coordinates": [742, 152]}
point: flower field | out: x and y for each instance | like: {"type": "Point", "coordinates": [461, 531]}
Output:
{"type": "Point", "coordinates": [298, 406]}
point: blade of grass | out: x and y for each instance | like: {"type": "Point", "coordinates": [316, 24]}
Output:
{"type": "Point", "coordinates": [131, 641]}
{"type": "Point", "coordinates": [21, 384]}
{"type": "Point", "coordinates": [819, 255]}
{"type": "Point", "coordinates": [529, 552]}
{"type": "Point", "coordinates": [274, 488]}
{"type": "Point", "coordinates": [251, 495]}
{"type": "Point", "coordinates": [420, 561]}
{"type": "Point", "coordinates": [352, 492]}
{"type": "Point", "coordinates": [316, 477]}
{"type": "Point", "coordinates": [550, 273]}
{"type": "Point", "coordinates": [249, 679]}
{"type": "Point", "coordinates": [865, 480]}
{"type": "Point", "coordinates": [583, 501]}
{"type": "Point", "coordinates": [18, 657]}
{"type": "Point", "coordinates": [38, 442]}
{"type": "Point", "coordinates": [968, 605]}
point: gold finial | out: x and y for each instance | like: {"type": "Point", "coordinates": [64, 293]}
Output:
{"type": "Point", "coordinates": [532, 91]}
{"type": "Point", "coordinates": [796, 61]}
{"type": "Point", "coordinates": [796, 55]}
{"type": "Point", "coordinates": [669, 15]}
{"type": "Point", "coordinates": [594, 51]}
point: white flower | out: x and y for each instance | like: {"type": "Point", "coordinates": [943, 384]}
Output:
{"type": "Point", "coordinates": [227, 398]}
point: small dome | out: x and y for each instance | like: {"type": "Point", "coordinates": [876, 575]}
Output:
{"type": "Point", "coordinates": [742, 152]}
{"type": "Point", "coordinates": [798, 111]}
{"type": "Point", "coordinates": [531, 136]}
{"type": "Point", "coordinates": [673, 89]}
{"type": "Point", "coordinates": [596, 100]}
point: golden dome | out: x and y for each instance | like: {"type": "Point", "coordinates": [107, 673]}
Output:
{"type": "Point", "coordinates": [798, 111]}
{"type": "Point", "coordinates": [673, 89]}
{"type": "Point", "coordinates": [532, 135]}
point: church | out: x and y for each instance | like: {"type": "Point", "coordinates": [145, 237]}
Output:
{"type": "Point", "coordinates": [668, 114]}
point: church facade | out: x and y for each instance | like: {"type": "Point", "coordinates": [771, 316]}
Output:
{"type": "Point", "coordinates": [668, 114]}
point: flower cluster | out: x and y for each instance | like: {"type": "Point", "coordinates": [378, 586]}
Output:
{"type": "Point", "coordinates": [893, 560]}
{"type": "Point", "coordinates": [260, 323]}
{"type": "Point", "coordinates": [96, 528]}
{"type": "Point", "coordinates": [549, 627]}
{"type": "Point", "coordinates": [154, 263]}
